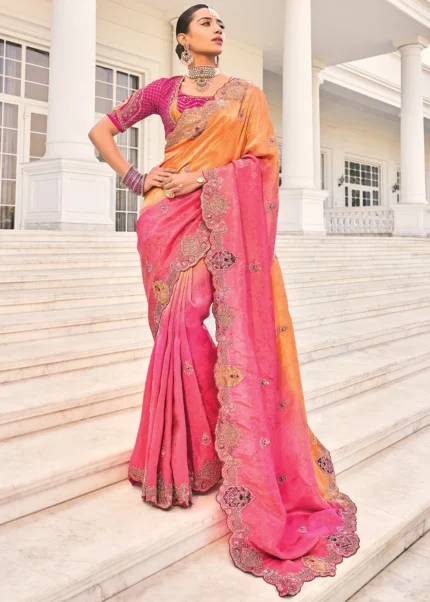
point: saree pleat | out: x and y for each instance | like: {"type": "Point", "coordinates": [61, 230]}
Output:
{"type": "Point", "coordinates": [234, 409]}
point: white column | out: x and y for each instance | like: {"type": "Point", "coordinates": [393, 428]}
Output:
{"type": "Point", "coordinates": [412, 126]}
{"type": "Point", "coordinates": [412, 213]}
{"type": "Point", "coordinates": [69, 189]}
{"type": "Point", "coordinates": [301, 209]}
{"type": "Point", "coordinates": [297, 130]}
{"type": "Point", "coordinates": [317, 80]}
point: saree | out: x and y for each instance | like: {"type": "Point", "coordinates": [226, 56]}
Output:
{"type": "Point", "coordinates": [234, 411]}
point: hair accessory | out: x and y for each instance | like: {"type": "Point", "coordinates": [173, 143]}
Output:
{"type": "Point", "coordinates": [186, 56]}
{"type": "Point", "coordinates": [213, 12]}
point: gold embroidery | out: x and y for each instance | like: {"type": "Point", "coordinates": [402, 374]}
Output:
{"type": "Point", "coordinates": [317, 564]}
{"type": "Point", "coordinates": [229, 376]}
{"type": "Point", "coordinates": [264, 442]}
{"type": "Point", "coordinates": [161, 291]}
{"type": "Point", "coordinates": [282, 329]}
{"type": "Point", "coordinates": [188, 369]}
{"type": "Point", "coordinates": [206, 439]}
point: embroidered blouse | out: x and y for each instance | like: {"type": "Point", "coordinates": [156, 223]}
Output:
{"type": "Point", "coordinates": [155, 98]}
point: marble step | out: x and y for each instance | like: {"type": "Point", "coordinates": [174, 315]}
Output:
{"type": "Point", "coordinates": [23, 359]}
{"type": "Point", "coordinates": [46, 468]}
{"type": "Point", "coordinates": [405, 578]}
{"type": "Point", "coordinates": [23, 301]}
{"type": "Point", "coordinates": [35, 404]}
{"type": "Point", "coordinates": [25, 326]}
{"type": "Point", "coordinates": [392, 495]}
{"type": "Point", "coordinates": [103, 277]}
{"type": "Point", "coordinates": [93, 556]}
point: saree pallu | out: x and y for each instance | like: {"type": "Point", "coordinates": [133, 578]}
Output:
{"type": "Point", "coordinates": [234, 410]}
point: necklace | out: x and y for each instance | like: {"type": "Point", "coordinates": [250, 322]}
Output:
{"type": "Point", "coordinates": [202, 75]}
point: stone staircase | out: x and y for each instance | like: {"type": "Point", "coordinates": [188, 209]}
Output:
{"type": "Point", "coordinates": [75, 346]}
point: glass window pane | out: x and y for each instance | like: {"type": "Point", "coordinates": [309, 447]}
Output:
{"type": "Point", "coordinates": [131, 222]}
{"type": "Point", "coordinates": [37, 57]}
{"type": "Point", "coordinates": [14, 51]}
{"type": "Point", "coordinates": [8, 191]}
{"type": "Point", "coordinates": [10, 115]}
{"type": "Point", "coordinates": [121, 196]}
{"type": "Point", "coordinates": [1, 47]}
{"type": "Point", "coordinates": [103, 105]}
{"type": "Point", "coordinates": [12, 86]}
{"type": "Point", "coordinates": [133, 137]}
{"type": "Point", "coordinates": [8, 167]}
{"type": "Point", "coordinates": [7, 218]}
{"type": "Point", "coordinates": [9, 141]}
{"type": "Point", "coordinates": [122, 79]}
{"type": "Point", "coordinates": [134, 82]}
{"type": "Point", "coordinates": [37, 144]}
{"type": "Point", "coordinates": [13, 68]}
{"type": "Point", "coordinates": [121, 94]}
{"type": "Point", "coordinates": [38, 123]}
{"type": "Point", "coordinates": [132, 156]}
{"type": "Point", "coordinates": [37, 74]}
{"type": "Point", "coordinates": [2, 65]}
{"type": "Point", "coordinates": [36, 91]}
{"type": "Point", "coordinates": [104, 74]}
{"type": "Point", "coordinates": [104, 90]}
{"type": "Point", "coordinates": [131, 202]}
{"type": "Point", "coordinates": [121, 222]}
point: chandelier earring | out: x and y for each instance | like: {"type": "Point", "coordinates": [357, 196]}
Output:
{"type": "Point", "coordinates": [186, 56]}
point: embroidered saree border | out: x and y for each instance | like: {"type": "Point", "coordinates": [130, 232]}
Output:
{"type": "Point", "coordinates": [233, 497]}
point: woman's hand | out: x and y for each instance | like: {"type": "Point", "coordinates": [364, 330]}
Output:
{"type": "Point", "coordinates": [157, 177]}
{"type": "Point", "coordinates": [183, 183]}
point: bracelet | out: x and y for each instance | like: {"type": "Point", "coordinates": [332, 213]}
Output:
{"type": "Point", "coordinates": [143, 184]}
{"type": "Point", "coordinates": [133, 180]}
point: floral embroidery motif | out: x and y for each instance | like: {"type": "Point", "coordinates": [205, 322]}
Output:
{"type": "Point", "coordinates": [222, 260]}
{"type": "Point", "coordinates": [325, 464]}
{"type": "Point", "coordinates": [161, 291]}
{"type": "Point", "coordinates": [270, 207]}
{"type": "Point", "coordinates": [149, 266]}
{"type": "Point", "coordinates": [208, 475]}
{"type": "Point", "coordinates": [254, 267]}
{"type": "Point", "coordinates": [229, 376]}
{"type": "Point", "coordinates": [190, 245]}
{"type": "Point", "coordinates": [188, 369]}
{"type": "Point", "coordinates": [163, 207]}
{"type": "Point", "coordinates": [264, 442]}
{"type": "Point", "coordinates": [237, 496]}
{"type": "Point", "coordinates": [302, 528]}
{"type": "Point", "coordinates": [264, 382]}
{"type": "Point", "coordinates": [283, 404]}
{"type": "Point", "coordinates": [224, 316]}
{"type": "Point", "coordinates": [282, 478]}
{"type": "Point", "coordinates": [317, 564]}
{"type": "Point", "coordinates": [206, 439]}
{"type": "Point", "coordinates": [345, 542]}
{"type": "Point", "coordinates": [228, 435]}
{"type": "Point", "coordinates": [281, 329]}
{"type": "Point", "coordinates": [246, 557]}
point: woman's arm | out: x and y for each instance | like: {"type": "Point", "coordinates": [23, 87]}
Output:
{"type": "Point", "coordinates": [137, 106]}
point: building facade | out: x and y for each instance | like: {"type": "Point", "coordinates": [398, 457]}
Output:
{"type": "Point", "coordinates": [349, 93]}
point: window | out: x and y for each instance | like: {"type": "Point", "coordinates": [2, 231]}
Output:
{"type": "Point", "coordinates": [113, 86]}
{"type": "Point", "coordinates": [362, 184]}
{"type": "Point", "coordinates": [8, 163]}
{"type": "Point", "coordinates": [398, 184]}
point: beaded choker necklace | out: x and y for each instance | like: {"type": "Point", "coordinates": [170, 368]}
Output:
{"type": "Point", "coordinates": [202, 75]}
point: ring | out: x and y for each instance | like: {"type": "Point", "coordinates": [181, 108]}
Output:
{"type": "Point", "coordinates": [180, 185]}
{"type": "Point", "coordinates": [169, 193]}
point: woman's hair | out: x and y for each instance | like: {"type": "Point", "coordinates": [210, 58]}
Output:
{"type": "Point", "coordinates": [183, 24]}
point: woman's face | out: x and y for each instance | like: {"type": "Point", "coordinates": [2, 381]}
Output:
{"type": "Point", "coordinates": [205, 35]}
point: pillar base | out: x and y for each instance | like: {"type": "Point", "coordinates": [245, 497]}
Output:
{"type": "Point", "coordinates": [68, 194]}
{"type": "Point", "coordinates": [301, 211]}
{"type": "Point", "coordinates": [411, 219]}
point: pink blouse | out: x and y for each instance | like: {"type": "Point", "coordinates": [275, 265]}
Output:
{"type": "Point", "coordinates": [155, 98]}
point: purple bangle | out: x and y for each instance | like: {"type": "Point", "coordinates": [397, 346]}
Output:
{"type": "Point", "coordinates": [134, 180]}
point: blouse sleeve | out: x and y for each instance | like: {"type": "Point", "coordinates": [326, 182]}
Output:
{"type": "Point", "coordinates": [137, 106]}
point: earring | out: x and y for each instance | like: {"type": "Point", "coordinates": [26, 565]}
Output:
{"type": "Point", "coordinates": [186, 56]}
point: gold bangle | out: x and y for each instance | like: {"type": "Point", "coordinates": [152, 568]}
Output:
{"type": "Point", "coordinates": [143, 184]}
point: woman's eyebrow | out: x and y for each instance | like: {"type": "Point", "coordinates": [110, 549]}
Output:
{"type": "Point", "coordinates": [210, 19]}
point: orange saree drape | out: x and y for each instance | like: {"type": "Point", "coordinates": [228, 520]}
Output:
{"type": "Point", "coordinates": [234, 410]}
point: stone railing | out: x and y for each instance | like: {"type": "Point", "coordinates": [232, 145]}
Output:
{"type": "Point", "coordinates": [359, 220]}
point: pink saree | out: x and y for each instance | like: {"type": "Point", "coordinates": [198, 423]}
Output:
{"type": "Point", "coordinates": [233, 411]}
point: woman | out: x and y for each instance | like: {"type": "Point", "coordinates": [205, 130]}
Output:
{"type": "Point", "coordinates": [206, 235]}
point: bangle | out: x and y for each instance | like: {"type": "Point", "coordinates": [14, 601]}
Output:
{"type": "Point", "coordinates": [133, 180]}
{"type": "Point", "coordinates": [125, 175]}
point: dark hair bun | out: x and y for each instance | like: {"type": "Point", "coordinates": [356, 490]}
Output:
{"type": "Point", "coordinates": [179, 50]}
